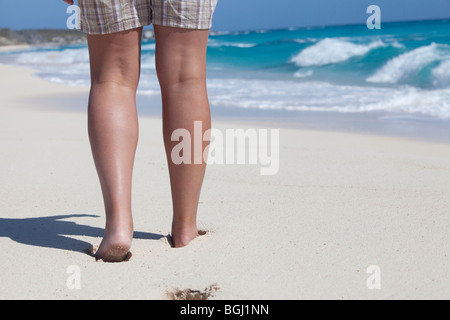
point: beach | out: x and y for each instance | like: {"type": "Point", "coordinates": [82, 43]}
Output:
{"type": "Point", "coordinates": [348, 215]}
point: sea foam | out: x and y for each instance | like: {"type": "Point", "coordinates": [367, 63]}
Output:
{"type": "Point", "coordinates": [404, 66]}
{"type": "Point", "coordinates": [441, 75]}
{"type": "Point", "coordinates": [329, 50]}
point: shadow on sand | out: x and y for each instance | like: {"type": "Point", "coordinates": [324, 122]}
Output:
{"type": "Point", "coordinates": [54, 232]}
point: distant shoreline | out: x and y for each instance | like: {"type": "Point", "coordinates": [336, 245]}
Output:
{"type": "Point", "coordinates": [33, 37]}
{"type": "Point", "coordinates": [9, 37]}
{"type": "Point", "coordinates": [16, 47]}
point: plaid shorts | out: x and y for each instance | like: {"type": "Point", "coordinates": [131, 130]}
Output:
{"type": "Point", "coordinates": [109, 16]}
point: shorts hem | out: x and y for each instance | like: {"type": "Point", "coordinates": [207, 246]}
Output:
{"type": "Point", "coordinates": [193, 26]}
{"type": "Point", "coordinates": [120, 27]}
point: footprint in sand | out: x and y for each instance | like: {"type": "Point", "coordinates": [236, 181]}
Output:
{"type": "Point", "coordinates": [190, 294]}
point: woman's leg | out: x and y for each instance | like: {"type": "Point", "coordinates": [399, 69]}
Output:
{"type": "Point", "coordinates": [181, 68]}
{"type": "Point", "coordinates": [113, 132]}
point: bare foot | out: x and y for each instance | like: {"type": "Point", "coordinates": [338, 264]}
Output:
{"type": "Point", "coordinates": [180, 240]}
{"type": "Point", "coordinates": [115, 246]}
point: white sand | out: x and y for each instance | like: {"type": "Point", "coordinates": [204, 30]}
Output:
{"type": "Point", "coordinates": [14, 47]}
{"type": "Point", "coordinates": [339, 204]}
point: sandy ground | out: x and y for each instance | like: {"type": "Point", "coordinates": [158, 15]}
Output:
{"type": "Point", "coordinates": [14, 47]}
{"type": "Point", "coordinates": [339, 204]}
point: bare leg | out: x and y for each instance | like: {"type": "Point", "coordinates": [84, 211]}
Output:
{"type": "Point", "coordinates": [181, 68]}
{"type": "Point", "coordinates": [113, 132]}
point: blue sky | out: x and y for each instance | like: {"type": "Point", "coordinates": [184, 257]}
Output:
{"type": "Point", "coordinates": [247, 14]}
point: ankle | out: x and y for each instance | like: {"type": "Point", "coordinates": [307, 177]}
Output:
{"type": "Point", "coordinates": [183, 234]}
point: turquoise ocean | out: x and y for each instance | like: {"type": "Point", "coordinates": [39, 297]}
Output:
{"type": "Point", "coordinates": [401, 71]}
